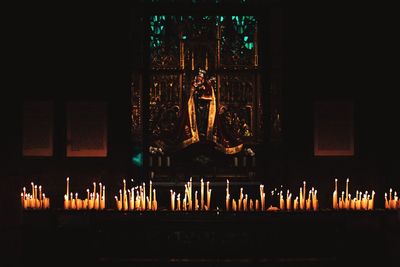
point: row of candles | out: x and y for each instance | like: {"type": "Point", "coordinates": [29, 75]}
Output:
{"type": "Point", "coordinates": [244, 203]}
{"type": "Point", "coordinates": [35, 199]}
{"type": "Point", "coordinates": [361, 201]}
{"type": "Point", "coordinates": [187, 201]}
{"type": "Point", "coordinates": [94, 200]}
{"type": "Point", "coordinates": [392, 203]}
{"type": "Point", "coordinates": [143, 198]}
{"type": "Point", "coordinates": [128, 201]}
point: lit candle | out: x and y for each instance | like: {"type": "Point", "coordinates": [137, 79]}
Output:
{"type": "Point", "coordinates": [208, 198]}
{"type": "Point", "coordinates": [336, 185]}
{"type": "Point", "coordinates": [148, 203]}
{"type": "Point", "coordinates": [257, 205]}
{"type": "Point", "coordinates": [117, 203]}
{"type": "Point", "coordinates": [289, 201]}
{"type": "Point", "coordinates": [296, 203]}
{"type": "Point", "coordinates": [154, 200]}
{"type": "Point", "coordinates": [120, 198]}
{"type": "Point", "coordinates": [315, 200]}
{"type": "Point", "coordinates": [66, 202]}
{"type": "Point", "coordinates": [233, 205]}
{"type": "Point", "coordinates": [281, 201]}
{"type": "Point", "coordinates": [353, 203]}
{"type": "Point", "coordinates": [196, 201]}
{"type": "Point", "coordinates": [263, 202]}
{"type": "Point", "coordinates": [308, 201]}
{"type": "Point", "coordinates": [76, 201]}
{"type": "Point", "coordinates": [227, 196]}
{"type": "Point", "coordinates": [347, 189]}
{"type": "Point", "coordinates": [251, 205]}
{"type": "Point", "coordinates": [91, 201]}
{"type": "Point", "coordinates": [97, 202]}
{"type": "Point", "coordinates": [335, 201]}
{"type": "Point", "coordinates": [144, 197]}
{"type": "Point", "coordinates": [94, 189]}
{"type": "Point", "coordinates": [100, 191]}
{"type": "Point", "coordinates": [262, 197]}
{"type": "Point", "coordinates": [103, 202]}
{"type": "Point", "coordinates": [67, 187]}
{"type": "Point", "coordinates": [363, 202]}
{"type": "Point", "coordinates": [31, 202]}
{"type": "Point", "coordinates": [47, 201]}
{"type": "Point", "coordinates": [201, 194]}
{"type": "Point", "coordinates": [178, 200]}
{"type": "Point", "coordinates": [131, 207]}
{"type": "Point", "coordinates": [301, 199]}
{"type": "Point", "coordinates": [35, 198]}
{"type": "Point", "coordinates": [33, 189]}
{"type": "Point", "coordinates": [24, 192]}
{"type": "Point", "coordinates": [304, 193]}
{"type": "Point", "coordinates": [239, 206]}
{"type": "Point", "coordinates": [190, 194]}
{"type": "Point", "coordinates": [125, 201]}
{"type": "Point", "coordinates": [172, 200]}
{"type": "Point", "coordinates": [359, 202]}
{"type": "Point", "coordinates": [40, 193]}
{"type": "Point", "coordinates": [150, 191]}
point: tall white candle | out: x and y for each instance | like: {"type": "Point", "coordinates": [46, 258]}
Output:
{"type": "Point", "coordinates": [172, 199]}
{"type": "Point", "coordinates": [209, 199]}
{"type": "Point", "coordinates": [150, 191]}
{"type": "Point", "coordinates": [154, 198]}
{"type": "Point", "coordinates": [201, 194]}
{"type": "Point", "coordinates": [67, 187]}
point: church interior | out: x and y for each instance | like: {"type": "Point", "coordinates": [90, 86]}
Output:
{"type": "Point", "coordinates": [202, 133]}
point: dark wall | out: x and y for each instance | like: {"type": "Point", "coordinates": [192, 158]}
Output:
{"type": "Point", "coordinates": [342, 51]}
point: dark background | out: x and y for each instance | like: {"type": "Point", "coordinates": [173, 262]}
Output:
{"type": "Point", "coordinates": [329, 50]}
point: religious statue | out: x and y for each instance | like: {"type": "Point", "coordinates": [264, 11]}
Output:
{"type": "Point", "coordinates": [200, 120]}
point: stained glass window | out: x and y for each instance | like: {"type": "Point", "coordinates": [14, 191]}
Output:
{"type": "Point", "coordinates": [238, 40]}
